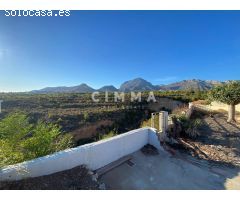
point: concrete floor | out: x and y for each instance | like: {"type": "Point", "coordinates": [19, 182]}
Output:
{"type": "Point", "coordinates": [164, 171]}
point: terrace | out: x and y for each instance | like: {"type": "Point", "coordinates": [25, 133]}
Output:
{"type": "Point", "coordinates": [164, 171]}
{"type": "Point", "coordinates": [122, 163]}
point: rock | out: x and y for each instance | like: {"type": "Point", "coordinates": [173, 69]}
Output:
{"type": "Point", "coordinates": [102, 186]}
{"type": "Point", "coordinates": [95, 177]}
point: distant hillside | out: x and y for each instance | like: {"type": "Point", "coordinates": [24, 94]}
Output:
{"type": "Point", "coordinates": [193, 84]}
{"type": "Point", "coordinates": [137, 84]}
{"type": "Point", "coordinates": [109, 88]}
{"type": "Point", "coordinates": [83, 88]}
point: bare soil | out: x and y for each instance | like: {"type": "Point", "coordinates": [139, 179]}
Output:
{"type": "Point", "coordinates": [218, 142]}
{"type": "Point", "coordinates": [78, 178]}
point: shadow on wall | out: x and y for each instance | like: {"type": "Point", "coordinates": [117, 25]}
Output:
{"type": "Point", "coordinates": [166, 103]}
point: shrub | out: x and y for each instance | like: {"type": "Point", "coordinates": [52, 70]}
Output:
{"type": "Point", "coordinates": [21, 140]}
{"type": "Point", "coordinates": [189, 126]}
{"type": "Point", "coordinates": [109, 135]}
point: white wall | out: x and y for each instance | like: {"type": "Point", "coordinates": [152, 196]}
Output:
{"type": "Point", "coordinates": [221, 106]}
{"type": "Point", "coordinates": [94, 155]}
{"type": "Point", "coordinates": [153, 139]}
{"type": "Point", "coordinates": [214, 106]}
{"type": "Point", "coordinates": [164, 102]}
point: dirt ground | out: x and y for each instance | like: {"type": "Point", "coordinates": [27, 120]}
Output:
{"type": "Point", "coordinates": [219, 141]}
{"type": "Point", "coordinates": [74, 179]}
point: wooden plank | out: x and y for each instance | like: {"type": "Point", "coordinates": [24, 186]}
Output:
{"type": "Point", "coordinates": [112, 165]}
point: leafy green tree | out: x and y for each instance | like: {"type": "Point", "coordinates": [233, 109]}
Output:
{"type": "Point", "coordinates": [21, 141]}
{"type": "Point", "coordinates": [228, 94]}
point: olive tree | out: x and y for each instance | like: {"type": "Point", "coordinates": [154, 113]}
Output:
{"type": "Point", "coordinates": [229, 94]}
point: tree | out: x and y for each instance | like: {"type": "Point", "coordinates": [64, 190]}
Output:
{"type": "Point", "coordinates": [228, 94]}
{"type": "Point", "coordinates": [21, 140]}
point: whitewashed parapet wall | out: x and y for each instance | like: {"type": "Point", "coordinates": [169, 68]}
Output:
{"type": "Point", "coordinates": [214, 106]}
{"type": "Point", "coordinates": [94, 155]}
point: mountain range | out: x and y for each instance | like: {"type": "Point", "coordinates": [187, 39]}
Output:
{"type": "Point", "coordinates": [137, 84]}
{"type": "Point", "coordinates": [83, 88]}
{"type": "Point", "coordinates": [194, 84]}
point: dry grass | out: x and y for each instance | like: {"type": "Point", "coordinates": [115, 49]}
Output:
{"type": "Point", "coordinates": [180, 110]}
{"type": "Point", "coordinates": [201, 102]}
{"type": "Point", "coordinates": [91, 130]}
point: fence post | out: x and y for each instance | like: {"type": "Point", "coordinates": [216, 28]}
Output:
{"type": "Point", "coordinates": [190, 110]}
{"type": "Point", "coordinates": [163, 121]}
{"type": "Point", "coordinates": [190, 105]}
{"type": "Point", "coordinates": [152, 120]}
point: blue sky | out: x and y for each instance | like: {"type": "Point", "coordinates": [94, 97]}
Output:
{"type": "Point", "coordinates": [109, 47]}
